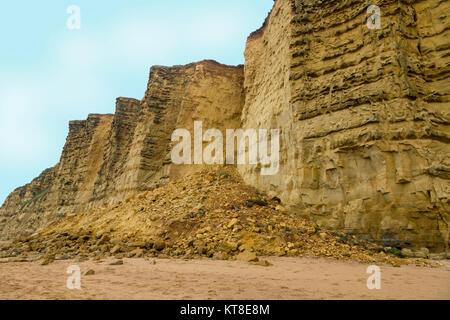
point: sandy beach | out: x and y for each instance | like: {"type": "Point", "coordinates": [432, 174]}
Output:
{"type": "Point", "coordinates": [288, 278]}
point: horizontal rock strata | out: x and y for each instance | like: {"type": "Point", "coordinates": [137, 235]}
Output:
{"type": "Point", "coordinates": [109, 157]}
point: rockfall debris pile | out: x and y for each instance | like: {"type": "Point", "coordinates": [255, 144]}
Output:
{"type": "Point", "coordinates": [209, 214]}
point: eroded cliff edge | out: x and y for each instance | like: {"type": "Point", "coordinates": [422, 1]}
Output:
{"type": "Point", "coordinates": [364, 117]}
{"type": "Point", "coordinates": [109, 157]}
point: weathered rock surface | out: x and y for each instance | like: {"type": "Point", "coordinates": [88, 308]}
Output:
{"type": "Point", "coordinates": [168, 222]}
{"type": "Point", "coordinates": [364, 117]}
{"type": "Point", "coordinates": [109, 157]}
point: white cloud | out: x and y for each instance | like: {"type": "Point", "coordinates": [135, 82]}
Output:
{"type": "Point", "coordinates": [21, 134]}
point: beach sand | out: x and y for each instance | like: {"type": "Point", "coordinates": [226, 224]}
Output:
{"type": "Point", "coordinates": [288, 278]}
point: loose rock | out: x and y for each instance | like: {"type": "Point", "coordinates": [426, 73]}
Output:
{"type": "Point", "coordinates": [116, 263]}
{"type": "Point", "coordinates": [89, 272]}
{"type": "Point", "coordinates": [247, 256]}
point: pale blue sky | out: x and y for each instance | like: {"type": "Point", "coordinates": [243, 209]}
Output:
{"type": "Point", "coordinates": [50, 74]}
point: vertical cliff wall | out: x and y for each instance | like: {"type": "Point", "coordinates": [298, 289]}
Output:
{"type": "Point", "coordinates": [364, 115]}
{"type": "Point", "coordinates": [109, 157]}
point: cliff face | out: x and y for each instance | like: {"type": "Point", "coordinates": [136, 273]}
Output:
{"type": "Point", "coordinates": [109, 157]}
{"type": "Point", "coordinates": [364, 117]}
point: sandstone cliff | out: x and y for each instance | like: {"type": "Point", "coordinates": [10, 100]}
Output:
{"type": "Point", "coordinates": [109, 157]}
{"type": "Point", "coordinates": [364, 117]}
